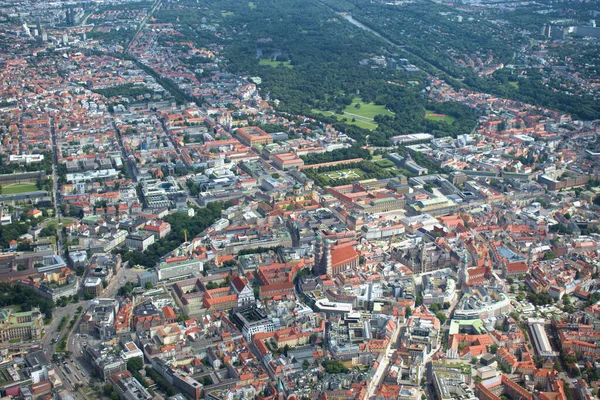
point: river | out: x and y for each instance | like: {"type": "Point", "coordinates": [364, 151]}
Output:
{"type": "Point", "coordinates": [349, 18]}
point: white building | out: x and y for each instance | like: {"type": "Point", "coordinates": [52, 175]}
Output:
{"type": "Point", "coordinates": [243, 290]}
{"type": "Point", "coordinates": [26, 158]}
{"type": "Point", "coordinates": [139, 241]}
{"type": "Point", "coordinates": [130, 351]}
{"type": "Point", "coordinates": [176, 269]}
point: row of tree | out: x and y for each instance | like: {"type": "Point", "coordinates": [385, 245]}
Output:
{"type": "Point", "coordinates": [14, 294]}
{"type": "Point", "coordinates": [182, 225]}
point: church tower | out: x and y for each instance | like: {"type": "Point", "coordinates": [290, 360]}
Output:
{"type": "Point", "coordinates": [326, 261]}
{"type": "Point", "coordinates": [318, 253]}
{"type": "Point", "coordinates": [421, 260]}
{"type": "Point", "coordinates": [463, 271]}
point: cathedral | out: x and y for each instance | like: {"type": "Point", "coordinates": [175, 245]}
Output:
{"type": "Point", "coordinates": [332, 259]}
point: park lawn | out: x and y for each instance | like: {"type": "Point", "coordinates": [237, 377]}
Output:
{"type": "Point", "coordinates": [226, 13]}
{"type": "Point", "coordinates": [15, 188]}
{"type": "Point", "coordinates": [395, 171]}
{"type": "Point", "coordinates": [361, 123]}
{"type": "Point", "coordinates": [275, 64]}
{"type": "Point", "coordinates": [325, 113]}
{"type": "Point", "coordinates": [330, 177]}
{"type": "Point", "coordinates": [385, 163]}
{"type": "Point", "coordinates": [358, 122]}
{"type": "Point", "coordinates": [514, 84]}
{"type": "Point", "coordinates": [251, 5]}
{"type": "Point", "coordinates": [366, 110]}
{"type": "Point", "coordinates": [448, 118]}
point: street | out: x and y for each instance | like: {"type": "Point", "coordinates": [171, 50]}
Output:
{"type": "Point", "coordinates": [77, 376]}
{"type": "Point", "coordinates": [52, 332]}
{"type": "Point", "coordinates": [56, 189]}
{"type": "Point", "coordinates": [383, 363]}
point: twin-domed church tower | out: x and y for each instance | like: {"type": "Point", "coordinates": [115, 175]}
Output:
{"type": "Point", "coordinates": [323, 264]}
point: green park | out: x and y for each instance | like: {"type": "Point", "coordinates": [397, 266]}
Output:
{"type": "Point", "coordinates": [16, 188]}
{"type": "Point", "coordinates": [345, 174]}
{"type": "Point", "coordinates": [275, 63]}
{"type": "Point", "coordinates": [359, 113]}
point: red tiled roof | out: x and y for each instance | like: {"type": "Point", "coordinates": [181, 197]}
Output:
{"type": "Point", "coordinates": [169, 313]}
{"type": "Point", "coordinates": [517, 267]}
{"type": "Point", "coordinates": [342, 255]}
{"type": "Point", "coordinates": [238, 283]}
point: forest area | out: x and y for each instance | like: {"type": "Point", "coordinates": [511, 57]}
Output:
{"type": "Point", "coordinates": [433, 34]}
{"type": "Point", "coordinates": [283, 43]}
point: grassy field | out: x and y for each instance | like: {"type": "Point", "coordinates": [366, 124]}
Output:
{"type": "Point", "coordinates": [361, 123]}
{"type": "Point", "coordinates": [362, 116]}
{"type": "Point", "coordinates": [384, 163]}
{"type": "Point", "coordinates": [366, 110]}
{"type": "Point", "coordinates": [251, 5]}
{"type": "Point", "coordinates": [351, 173]}
{"type": "Point", "coordinates": [446, 118]}
{"type": "Point", "coordinates": [275, 64]}
{"type": "Point", "coordinates": [514, 84]}
{"type": "Point", "coordinates": [15, 188]}
{"type": "Point", "coordinates": [226, 13]}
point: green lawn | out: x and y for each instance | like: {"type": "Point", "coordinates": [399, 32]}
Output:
{"type": "Point", "coordinates": [385, 163]}
{"type": "Point", "coordinates": [275, 64]}
{"type": "Point", "coordinates": [360, 122]}
{"type": "Point", "coordinates": [366, 110]}
{"type": "Point", "coordinates": [15, 188]}
{"type": "Point", "coordinates": [226, 13]}
{"type": "Point", "coordinates": [362, 116]}
{"type": "Point", "coordinates": [514, 84]}
{"type": "Point", "coordinates": [350, 173]}
{"type": "Point", "coordinates": [446, 118]}
{"type": "Point", "coordinates": [325, 113]}
{"type": "Point", "coordinates": [251, 5]}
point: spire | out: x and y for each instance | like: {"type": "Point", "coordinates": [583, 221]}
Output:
{"type": "Point", "coordinates": [326, 261]}
{"type": "Point", "coordinates": [422, 257]}
{"type": "Point", "coordinates": [318, 252]}
{"type": "Point", "coordinates": [463, 271]}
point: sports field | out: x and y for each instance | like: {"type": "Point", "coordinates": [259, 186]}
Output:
{"type": "Point", "coordinates": [431, 115]}
{"type": "Point", "coordinates": [15, 188]}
